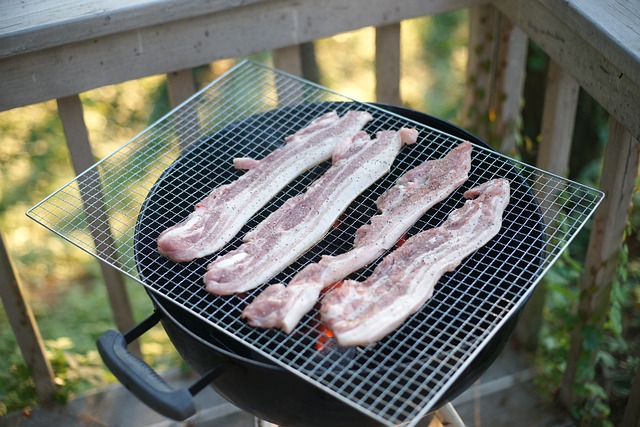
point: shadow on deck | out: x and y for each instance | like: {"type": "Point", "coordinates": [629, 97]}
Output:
{"type": "Point", "coordinates": [503, 396]}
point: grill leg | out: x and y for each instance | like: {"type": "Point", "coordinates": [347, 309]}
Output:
{"type": "Point", "coordinates": [261, 423]}
{"type": "Point", "coordinates": [447, 416]}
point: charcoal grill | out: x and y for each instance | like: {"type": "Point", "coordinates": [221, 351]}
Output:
{"type": "Point", "coordinates": [117, 208]}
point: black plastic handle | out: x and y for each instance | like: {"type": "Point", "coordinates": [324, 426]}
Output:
{"type": "Point", "coordinates": [142, 380]}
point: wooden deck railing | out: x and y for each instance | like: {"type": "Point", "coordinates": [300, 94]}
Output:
{"type": "Point", "coordinates": [50, 51]}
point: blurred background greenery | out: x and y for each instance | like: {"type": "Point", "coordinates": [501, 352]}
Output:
{"type": "Point", "coordinates": [64, 285]}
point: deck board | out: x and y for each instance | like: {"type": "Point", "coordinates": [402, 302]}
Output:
{"type": "Point", "coordinates": [609, 26]}
{"type": "Point", "coordinates": [41, 24]}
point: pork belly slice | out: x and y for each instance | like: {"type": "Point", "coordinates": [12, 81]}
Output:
{"type": "Point", "coordinates": [218, 217]}
{"type": "Point", "coordinates": [360, 313]}
{"type": "Point", "coordinates": [400, 207]}
{"type": "Point", "coordinates": [304, 219]}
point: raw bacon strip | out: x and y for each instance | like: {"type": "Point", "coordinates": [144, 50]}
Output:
{"type": "Point", "coordinates": [304, 219]}
{"type": "Point", "coordinates": [400, 207]}
{"type": "Point", "coordinates": [360, 313]}
{"type": "Point", "coordinates": [219, 216]}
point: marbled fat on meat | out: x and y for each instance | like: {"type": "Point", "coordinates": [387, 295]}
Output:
{"type": "Point", "coordinates": [400, 207]}
{"type": "Point", "coordinates": [304, 219]}
{"type": "Point", "coordinates": [218, 217]}
{"type": "Point", "coordinates": [360, 313]}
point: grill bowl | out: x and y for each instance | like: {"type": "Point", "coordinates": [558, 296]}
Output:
{"type": "Point", "coordinates": [274, 394]}
{"type": "Point", "coordinates": [255, 383]}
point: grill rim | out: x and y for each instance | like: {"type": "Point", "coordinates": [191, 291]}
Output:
{"type": "Point", "coordinates": [459, 134]}
{"type": "Point", "coordinates": [484, 358]}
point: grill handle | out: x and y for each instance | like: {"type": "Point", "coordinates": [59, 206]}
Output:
{"type": "Point", "coordinates": [140, 378]}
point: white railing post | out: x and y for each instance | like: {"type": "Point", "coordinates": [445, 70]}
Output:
{"type": "Point", "coordinates": [71, 115]}
{"type": "Point", "coordinates": [181, 86]}
{"type": "Point", "coordinates": [495, 78]}
{"type": "Point", "coordinates": [558, 119]}
{"type": "Point", "coordinates": [619, 172]}
{"type": "Point", "coordinates": [388, 64]}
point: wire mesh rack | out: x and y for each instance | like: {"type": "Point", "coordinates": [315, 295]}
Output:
{"type": "Point", "coordinates": [116, 209]}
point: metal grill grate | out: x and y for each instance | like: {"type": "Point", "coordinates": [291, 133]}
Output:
{"type": "Point", "coordinates": [116, 209]}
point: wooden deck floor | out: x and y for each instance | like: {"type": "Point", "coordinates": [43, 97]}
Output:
{"type": "Point", "coordinates": [503, 397]}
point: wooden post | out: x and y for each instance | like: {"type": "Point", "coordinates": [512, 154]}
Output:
{"type": "Point", "coordinates": [558, 119]}
{"type": "Point", "coordinates": [495, 78]}
{"type": "Point", "coordinates": [506, 100]}
{"type": "Point", "coordinates": [619, 172]}
{"type": "Point", "coordinates": [181, 86]}
{"type": "Point", "coordinates": [310, 69]}
{"type": "Point", "coordinates": [483, 21]}
{"type": "Point", "coordinates": [70, 111]}
{"type": "Point", "coordinates": [24, 326]}
{"type": "Point", "coordinates": [388, 64]}
{"type": "Point", "coordinates": [288, 59]}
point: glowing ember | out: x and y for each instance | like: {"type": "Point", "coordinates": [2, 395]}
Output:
{"type": "Point", "coordinates": [401, 241]}
{"type": "Point", "coordinates": [324, 337]}
{"type": "Point", "coordinates": [334, 285]}
{"type": "Point", "coordinates": [336, 224]}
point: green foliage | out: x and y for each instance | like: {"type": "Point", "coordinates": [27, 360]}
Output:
{"type": "Point", "coordinates": [17, 389]}
{"type": "Point", "coordinates": [610, 353]}
{"type": "Point", "coordinates": [605, 384]}
{"type": "Point", "coordinates": [559, 319]}
{"type": "Point", "coordinates": [74, 373]}
{"type": "Point", "coordinates": [440, 41]}
{"type": "Point", "coordinates": [82, 316]}
{"type": "Point", "coordinates": [40, 150]}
